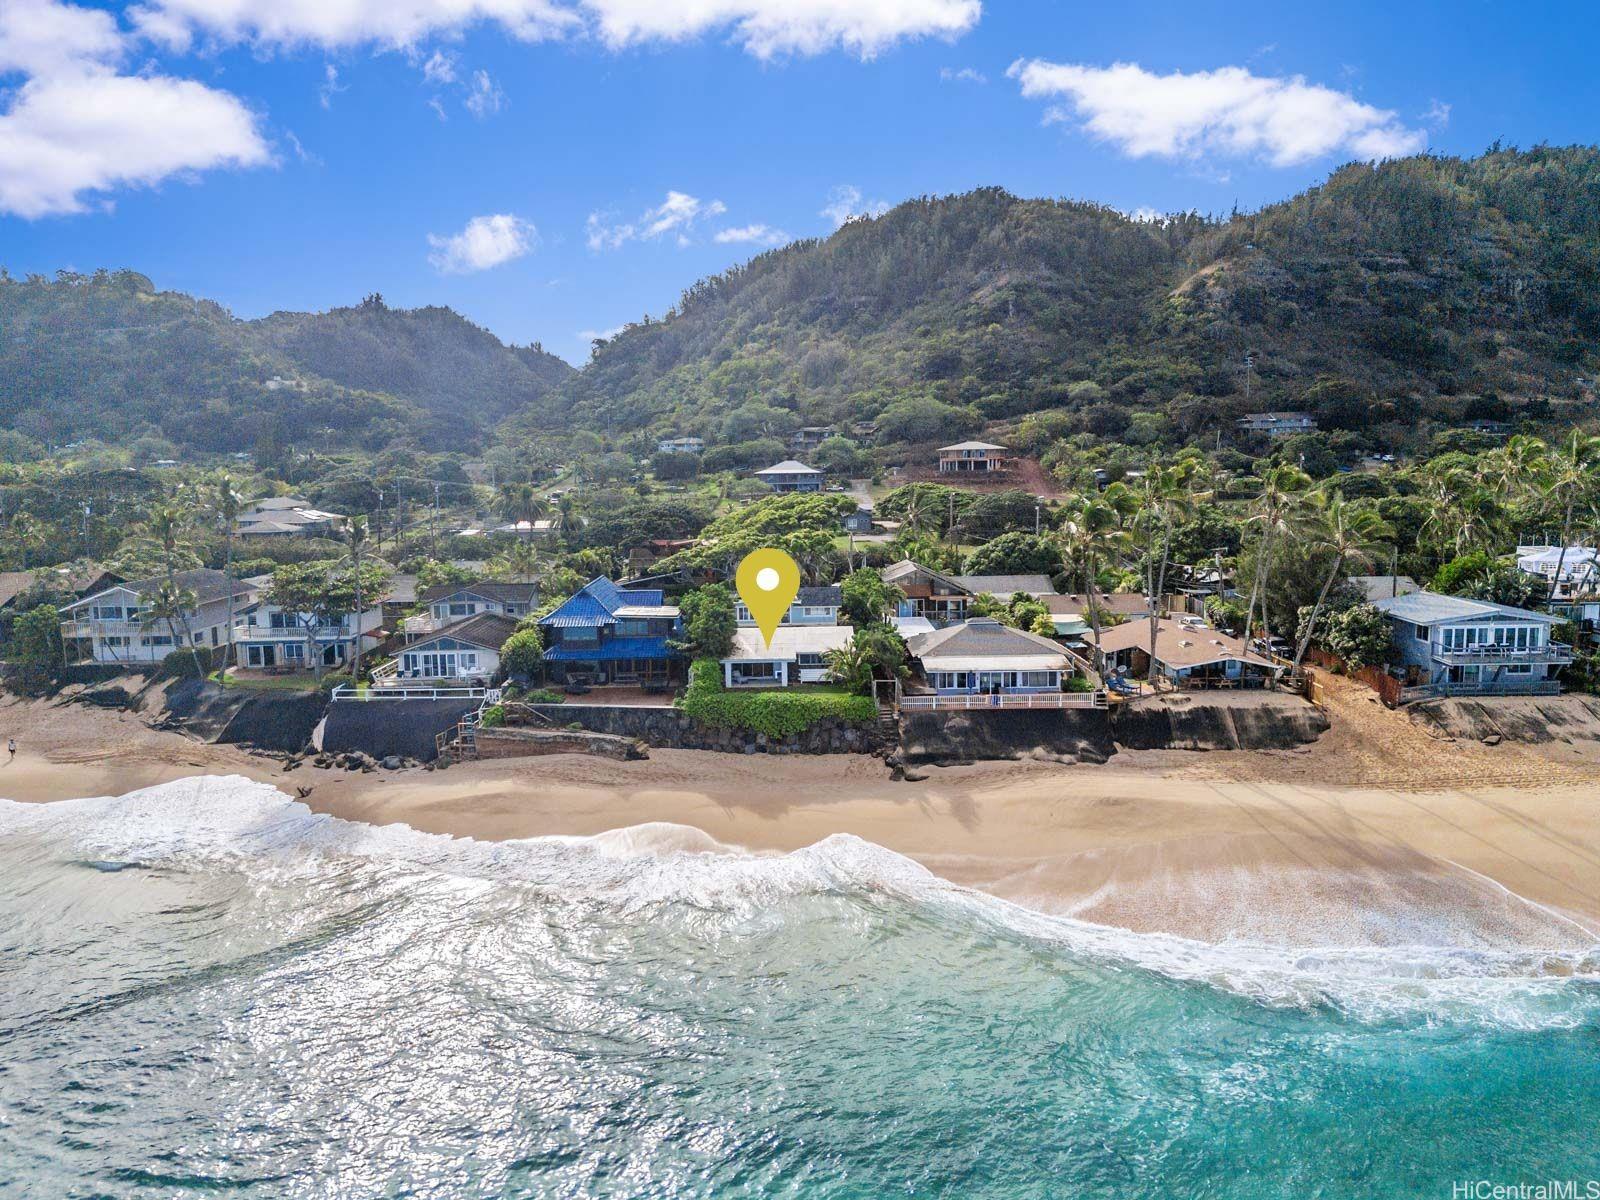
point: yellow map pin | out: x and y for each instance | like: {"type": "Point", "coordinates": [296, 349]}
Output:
{"type": "Point", "coordinates": [768, 581]}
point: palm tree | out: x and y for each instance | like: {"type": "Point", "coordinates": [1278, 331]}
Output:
{"type": "Point", "coordinates": [1093, 534]}
{"type": "Point", "coordinates": [1275, 509]}
{"type": "Point", "coordinates": [170, 605]}
{"type": "Point", "coordinates": [1167, 498]}
{"type": "Point", "coordinates": [519, 502]}
{"type": "Point", "coordinates": [225, 505]}
{"type": "Point", "coordinates": [355, 540]}
{"type": "Point", "coordinates": [1355, 534]}
{"type": "Point", "coordinates": [168, 528]}
{"type": "Point", "coordinates": [519, 560]}
{"type": "Point", "coordinates": [1569, 479]}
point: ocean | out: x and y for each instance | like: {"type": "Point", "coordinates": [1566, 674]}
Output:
{"type": "Point", "coordinates": [206, 988]}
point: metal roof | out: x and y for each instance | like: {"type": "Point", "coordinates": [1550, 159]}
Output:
{"type": "Point", "coordinates": [789, 467]}
{"type": "Point", "coordinates": [1430, 608]}
{"type": "Point", "coordinates": [611, 650]}
{"type": "Point", "coordinates": [787, 641]}
{"type": "Point", "coordinates": [971, 446]}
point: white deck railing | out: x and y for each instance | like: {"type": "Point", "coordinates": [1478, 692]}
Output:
{"type": "Point", "coordinates": [351, 692]}
{"type": "Point", "coordinates": [1095, 699]}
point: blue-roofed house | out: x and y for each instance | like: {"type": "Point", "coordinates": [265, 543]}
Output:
{"type": "Point", "coordinates": [609, 634]}
{"type": "Point", "coordinates": [1457, 646]}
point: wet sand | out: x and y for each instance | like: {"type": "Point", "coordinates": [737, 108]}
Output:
{"type": "Point", "coordinates": [1321, 846]}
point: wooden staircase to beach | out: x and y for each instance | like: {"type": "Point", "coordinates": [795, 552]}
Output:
{"type": "Point", "coordinates": [461, 741]}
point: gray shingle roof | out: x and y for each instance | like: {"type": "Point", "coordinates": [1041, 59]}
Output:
{"type": "Point", "coordinates": [489, 630]}
{"type": "Point", "coordinates": [1006, 585]}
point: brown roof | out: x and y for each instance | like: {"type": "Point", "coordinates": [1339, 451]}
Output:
{"type": "Point", "coordinates": [489, 630]}
{"type": "Point", "coordinates": [1178, 645]}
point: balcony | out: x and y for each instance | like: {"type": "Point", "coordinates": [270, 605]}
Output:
{"type": "Point", "coordinates": [1496, 655]}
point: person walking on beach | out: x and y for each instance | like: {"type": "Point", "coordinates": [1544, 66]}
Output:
{"type": "Point", "coordinates": [11, 748]}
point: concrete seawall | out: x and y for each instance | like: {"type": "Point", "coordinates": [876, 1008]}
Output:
{"type": "Point", "coordinates": [281, 721]}
{"type": "Point", "coordinates": [391, 727]}
{"type": "Point", "coordinates": [964, 736]}
{"type": "Point", "coordinates": [1266, 722]}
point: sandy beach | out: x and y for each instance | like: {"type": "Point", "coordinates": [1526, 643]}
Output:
{"type": "Point", "coordinates": [1378, 834]}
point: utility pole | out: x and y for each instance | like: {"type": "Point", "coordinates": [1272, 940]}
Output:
{"type": "Point", "coordinates": [1035, 520]}
{"type": "Point", "coordinates": [1249, 366]}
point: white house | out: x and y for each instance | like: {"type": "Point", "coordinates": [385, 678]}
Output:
{"type": "Point", "coordinates": [791, 476]}
{"type": "Point", "coordinates": [681, 445]}
{"type": "Point", "coordinates": [266, 637]}
{"type": "Point", "coordinates": [1569, 572]}
{"type": "Point", "coordinates": [1473, 647]}
{"type": "Point", "coordinates": [114, 625]}
{"type": "Point", "coordinates": [795, 656]}
{"type": "Point", "coordinates": [467, 651]}
{"type": "Point", "coordinates": [812, 606]}
{"type": "Point", "coordinates": [982, 656]}
{"type": "Point", "coordinates": [449, 603]}
{"type": "Point", "coordinates": [286, 516]}
{"type": "Point", "coordinates": [1277, 424]}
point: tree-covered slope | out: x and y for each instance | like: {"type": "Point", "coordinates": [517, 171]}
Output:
{"type": "Point", "coordinates": [1424, 287]}
{"type": "Point", "coordinates": [109, 356]}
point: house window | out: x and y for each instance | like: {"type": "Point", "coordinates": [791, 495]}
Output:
{"type": "Point", "coordinates": [1037, 679]}
{"type": "Point", "coordinates": [155, 639]}
{"type": "Point", "coordinates": [462, 609]}
{"type": "Point", "coordinates": [1422, 633]}
{"type": "Point", "coordinates": [809, 659]}
{"type": "Point", "coordinates": [295, 652]}
{"type": "Point", "coordinates": [106, 612]}
{"type": "Point", "coordinates": [1519, 669]}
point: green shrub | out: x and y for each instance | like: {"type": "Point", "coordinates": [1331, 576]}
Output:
{"type": "Point", "coordinates": [494, 716]}
{"type": "Point", "coordinates": [335, 679]}
{"type": "Point", "coordinates": [776, 714]}
{"type": "Point", "coordinates": [1077, 683]}
{"type": "Point", "coordinates": [180, 663]}
{"type": "Point", "coordinates": [542, 696]}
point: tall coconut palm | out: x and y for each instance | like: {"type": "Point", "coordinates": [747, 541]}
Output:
{"type": "Point", "coordinates": [168, 527]}
{"type": "Point", "coordinates": [225, 503]}
{"type": "Point", "coordinates": [1274, 511]}
{"type": "Point", "coordinates": [1093, 535]}
{"type": "Point", "coordinates": [170, 605]}
{"type": "Point", "coordinates": [1355, 534]}
{"type": "Point", "coordinates": [1167, 497]}
{"type": "Point", "coordinates": [356, 544]}
{"type": "Point", "coordinates": [1571, 474]}
{"type": "Point", "coordinates": [519, 502]}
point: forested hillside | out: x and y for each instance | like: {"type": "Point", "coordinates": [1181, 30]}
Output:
{"type": "Point", "coordinates": [1421, 290]}
{"type": "Point", "coordinates": [108, 356]}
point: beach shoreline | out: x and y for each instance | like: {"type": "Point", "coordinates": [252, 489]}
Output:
{"type": "Point", "coordinates": [1260, 845]}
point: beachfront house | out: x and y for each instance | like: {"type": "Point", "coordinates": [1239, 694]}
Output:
{"type": "Point", "coordinates": [791, 476]}
{"type": "Point", "coordinates": [983, 657]}
{"type": "Point", "coordinates": [1455, 646]}
{"type": "Point", "coordinates": [1568, 573]}
{"type": "Point", "coordinates": [610, 634]}
{"type": "Point", "coordinates": [973, 458]}
{"type": "Point", "coordinates": [267, 638]}
{"type": "Point", "coordinates": [1188, 654]}
{"type": "Point", "coordinates": [681, 445]}
{"type": "Point", "coordinates": [797, 655]}
{"type": "Point", "coordinates": [812, 606]}
{"type": "Point", "coordinates": [1277, 424]}
{"type": "Point", "coordinates": [465, 653]}
{"type": "Point", "coordinates": [449, 603]}
{"type": "Point", "coordinates": [944, 599]}
{"type": "Point", "coordinates": [1070, 613]}
{"type": "Point", "coordinates": [114, 625]}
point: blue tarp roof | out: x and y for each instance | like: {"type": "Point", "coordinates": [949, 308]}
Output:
{"type": "Point", "coordinates": [607, 651]}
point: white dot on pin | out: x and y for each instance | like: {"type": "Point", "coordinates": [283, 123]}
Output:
{"type": "Point", "coordinates": [766, 579]}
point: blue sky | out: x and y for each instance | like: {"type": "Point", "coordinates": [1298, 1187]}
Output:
{"type": "Point", "coordinates": [554, 168]}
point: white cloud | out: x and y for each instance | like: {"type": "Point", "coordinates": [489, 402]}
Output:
{"type": "Point", "coordinates": [845, 204]}
{"type": "Point", "coordinates": [678, 214]}
{"type": "Point", "coordinates": [440, 68]}
{"type": "Point", "coordinates": [485, 242]}
{"type": "Point", "coordinates": [767, 28]}
{"type": "Point", "coordinates": [1438, 114]}
{"type": "Point", "coordinates": [962, 75]}
{"type": "Point", "coordinates": [330, 85]}
{"type": "Point", "coordinates": [1144, 213]}
{"type": "Point", "coordinates": [764, 234]}
{"type": "Point", "coordinates": [71, 136]}
{"type": "Point", "coordinates": [43, 37]}
{"type": "Point", "coordinates": [1227, 112]}
{"type": "Point", "coordinates": [484, 97]}
{"type": "Point", "coordinates": [600, 335]}
{"type": "Point", "coordinates": [340, 24]}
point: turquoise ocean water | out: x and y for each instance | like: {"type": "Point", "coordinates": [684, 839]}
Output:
{"type": "Point", "coordinates": [205, 989]}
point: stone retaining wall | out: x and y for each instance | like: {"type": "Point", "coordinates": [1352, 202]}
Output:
{"type": "Point", "coordinates": [504, 742]}
{"type": "Point", "coordinates": [668, 728]}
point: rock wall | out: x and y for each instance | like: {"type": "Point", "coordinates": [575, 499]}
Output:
{"type": "Point", "coordinates": [1267, 722]}
{"type": "Point", "coordinates": [268, 720]}
{"type": "Point", "coordinates": [1527, 719]}
{"type": "Point", "coordinates": [969, 735]}
{"type": "Point", "coordinates": [381, 728]}
{"type": "Point", "coordinates": [502, 742]}
{"type": "Point", "coordinates": [667, 727]}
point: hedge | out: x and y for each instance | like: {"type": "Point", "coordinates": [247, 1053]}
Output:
{"type": "Point", "coordinates": [774, 713]}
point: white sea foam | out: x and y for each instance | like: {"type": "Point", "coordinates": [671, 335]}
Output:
{"type": "Point", "coordinates": [235, 823]}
